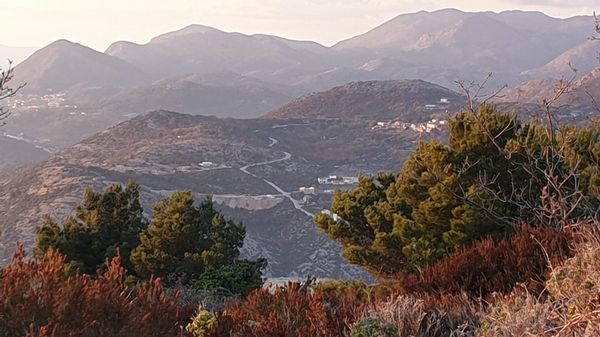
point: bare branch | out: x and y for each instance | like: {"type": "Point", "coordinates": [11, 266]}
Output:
{"type": "Point", "coordinates": [5, 90]}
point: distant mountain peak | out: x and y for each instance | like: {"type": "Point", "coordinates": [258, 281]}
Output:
{"type": "Point", "coordinates": [192, 29]}
{"type": "Point", "coordinates": [63, 42]}
{"type": "Point", "coordinates": [64, 64]}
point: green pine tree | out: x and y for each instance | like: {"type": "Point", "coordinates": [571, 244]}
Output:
{"type": "Point", "coordinates": [397, 222]}
{"type": "Point", "coordinates": [187, 240]}
{"type": "Point", "coordinates": [103, 225]}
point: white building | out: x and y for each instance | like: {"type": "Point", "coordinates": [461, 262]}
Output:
{"type": "Point", "coordinates": [307, 190]}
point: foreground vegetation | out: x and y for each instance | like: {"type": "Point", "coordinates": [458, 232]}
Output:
{"type": "Point", "coordinates": [504, 288]}
{"type": "Point", "coordinates": [450, 263]}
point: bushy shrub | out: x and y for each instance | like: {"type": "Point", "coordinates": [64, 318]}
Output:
{"type": "Point", "coordinates": [40, 298]}
{"type": "Point", "coordinates": [495, 266]}
{"type": "Point", "coordinates": [572, 307]}
{"type": "Point", "coordinates": [239, 278]}
{"type": "Point", "coordinates": [185, 239]}
{"type": "Point", "coordinates": [202, 324]}
{"type": "Point", "coordinates": [515, 315]}
{"type": "Point", "coordinates": [104, 225]}
{"type": "Point", "coordinates": [295, 310]}
{"type": "Point", "coordinates": [373, 327]}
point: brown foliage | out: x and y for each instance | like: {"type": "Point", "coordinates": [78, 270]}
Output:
{"type": "Point", "coordinates": [496, 266]}
{"type": "Point", "coordinates": [425, 315]}
{"type": "Point", "coordinates": [296, 310]}
{"type": "Point", "coordinates": [571, 307]}
{"type": "Point", "coordinates": [39, 298]}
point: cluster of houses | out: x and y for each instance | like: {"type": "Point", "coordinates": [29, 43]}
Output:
{"type": "Point", "coordinates": [429, 126]}
{"type": "Point", "coordinates": [37, 102]}
{"type": "Point", "coordinates": [330, 180]}
{"type": "Point", "coordinates": [434, 124]}
{"type": "Point", "coordinates": [337, 180]}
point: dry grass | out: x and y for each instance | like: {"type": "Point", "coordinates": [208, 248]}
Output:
{"type": "Point", "coordinates": [572, 305]}
{"type": "Point", "coordinates": [428, 316]}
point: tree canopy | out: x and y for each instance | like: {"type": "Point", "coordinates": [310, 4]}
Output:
{"type": "Point", "coordinates": [103, 226]}
{"type": "Point", "coordinates": [183, 243]}
{"type": "Point", "coordinates": [494, 172]}
{"type": "Point", "coordinates": [187, 240]}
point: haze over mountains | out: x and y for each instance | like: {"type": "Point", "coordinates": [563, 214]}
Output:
{"type": "Point", "coordinates": [446, 41]}
{"type": "Point", "coordinates": [285, 114]}
{"type": "Point", "coordinates": [203, 70]}
{"type": "Point", "coordinates": [16, 54]}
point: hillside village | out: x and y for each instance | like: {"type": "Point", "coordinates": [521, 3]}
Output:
{"type": "Point", "coordinates": [435, 124]}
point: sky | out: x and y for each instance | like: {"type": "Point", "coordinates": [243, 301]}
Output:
{"type": "Point", "coordinates": [98, 23]}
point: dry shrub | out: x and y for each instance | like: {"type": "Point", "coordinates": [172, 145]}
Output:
{"type": "Point", "coordinates": [296, 310]}
{"type": "Point", "coordinates": [39, 298]}
{"type": "Point", "coordinates": [422, 316]}
{"type": "Point", "coordinates": [491, 266]}
{"type": "Point", "coordinates": [575, 290]}
{"type": "Point", "coordinates": [572, 307]}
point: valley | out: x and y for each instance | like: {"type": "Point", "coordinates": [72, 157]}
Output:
{"type": "Point", "coordinates": [269, 127]}
{"type": "Point", "coordinates": [258, 167]}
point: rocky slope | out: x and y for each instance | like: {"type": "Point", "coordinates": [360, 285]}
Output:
{"type": "Point", "coordinates": [253, 168]}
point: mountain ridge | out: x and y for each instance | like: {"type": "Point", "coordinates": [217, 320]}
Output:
{"type": "Point", "coordinates": [373, 100]}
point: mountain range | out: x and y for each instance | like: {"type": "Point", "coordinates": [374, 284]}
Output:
{"type": "Point", "coordinates": [251, 119]}
{"type": "Point", "coordinates": [512, 44]}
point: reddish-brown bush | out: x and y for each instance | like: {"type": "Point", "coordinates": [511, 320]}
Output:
{"type": "Point", "coordinates": [296, 310]}
{"type": "Point", "coordinates": [39, 298]}
{"type": "Point", "coordinates": [489, 266]}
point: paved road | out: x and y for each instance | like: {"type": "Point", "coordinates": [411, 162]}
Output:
{"type": "Point", "coordinates": [283, 193]}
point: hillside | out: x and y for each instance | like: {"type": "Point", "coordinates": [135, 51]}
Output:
{"type": "Point", "coordinates": [374, 100]}
{"type": "Point", "coordinates": [16, 152]}
{"type": "Point", "coordinates": [499, 42]}
{"type": "Point", "coordinates": [63, 65]}
{"type": "Point", "coordinates": [583, 58]}
{"type": "Point", "coordinates": [574, 103]}
{"type": "Point", "coordinates": [578, 95]}
{"type": "Point", "coordinates": [201, 49]}
{"type": "Point", "coordinates": [256, 169]}
{"type": "Point", "coordinates": [219, 94]}
{"type": "Point", "coordinates": [74, 91]}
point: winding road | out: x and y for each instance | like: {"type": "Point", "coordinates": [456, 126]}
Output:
{"type": "Point", "coordinates": [282, 192]}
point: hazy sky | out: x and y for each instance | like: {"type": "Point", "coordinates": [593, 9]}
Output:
{"type": "Point", "coordinates": [97, 23]}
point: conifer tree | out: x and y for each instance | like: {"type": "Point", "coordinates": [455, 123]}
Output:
{"type": "Point", "coordinates": [104, 225]}
{"type": "Point", "coordinates": [184, 240]}
{"type": "Point", "coordinates": [494, 173]}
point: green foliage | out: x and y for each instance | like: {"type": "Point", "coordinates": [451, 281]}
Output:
{"type": "Point", "coordinates": [490, 176]}
{"type": "Point", "coordinates": [373, 327]}
{"type": "Point", "coordinates": [239, 278]}
{"type": "Point", "coordinates": [183, 239]}
{"type": "Point", "coordinates": [202, 324]}
{"type": "Point", "coordinates": [104, 225]}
